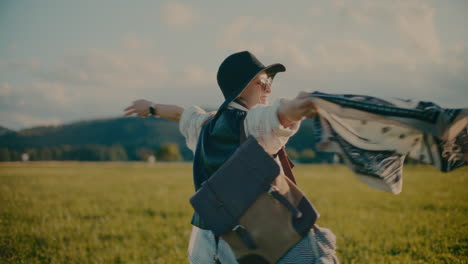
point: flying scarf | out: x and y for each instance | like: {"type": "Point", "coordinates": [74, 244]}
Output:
{"type": "Point", "coordinates": [374, 136]}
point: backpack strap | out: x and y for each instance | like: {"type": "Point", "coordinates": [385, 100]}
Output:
{"type": "Point", "coordinates": [286, 162]}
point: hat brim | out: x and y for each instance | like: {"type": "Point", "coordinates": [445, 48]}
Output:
{"type": "Point", "coordinates": [271, 71]}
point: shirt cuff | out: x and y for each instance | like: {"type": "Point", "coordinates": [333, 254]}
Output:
{"type": "Point", "coordinates": [187, 116]}
{"type": "Point", "coordinates": [277, 127]}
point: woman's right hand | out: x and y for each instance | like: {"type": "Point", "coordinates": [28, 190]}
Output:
{"type": "Point", "coordinates": [139, 107]}
{"type": "Point", "coordinates": [295, 110]}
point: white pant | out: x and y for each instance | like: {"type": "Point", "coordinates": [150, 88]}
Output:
{"type": "Point", "coordinates": [318, 246]}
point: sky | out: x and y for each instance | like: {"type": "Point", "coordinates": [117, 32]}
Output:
{"type": "Point", "coordinates": [67, 61]}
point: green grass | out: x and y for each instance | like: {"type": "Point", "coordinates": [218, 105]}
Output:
{"type": "Point", "coordinates": [137, 213]}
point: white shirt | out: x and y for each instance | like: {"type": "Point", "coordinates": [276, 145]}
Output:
{"type": "Point", "coordinates": [261, 122]}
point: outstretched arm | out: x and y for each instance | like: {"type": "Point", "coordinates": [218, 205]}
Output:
{"type": "Point", "coordinates": [142, 109]}
{"type": "Point", "coordinates": [292, 111]}
{"type": "Point", "coordinates": [273, 125]}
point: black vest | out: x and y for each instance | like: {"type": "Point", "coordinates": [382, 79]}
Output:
{"type": "Point", "coordinates": [218, 140]}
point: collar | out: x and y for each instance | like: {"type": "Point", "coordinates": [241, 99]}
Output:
{"type": "Point", "coordinates": [237, 106]}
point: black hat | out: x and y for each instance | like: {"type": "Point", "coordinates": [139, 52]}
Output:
{"type": "Point", "coordinates": [237, 71]}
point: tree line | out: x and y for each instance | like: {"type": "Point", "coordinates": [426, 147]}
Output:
{"type": "Point", "coordinates": [126, 139]}
{"type": "Point", "coordinates": [165, 152]}
{"type": "Point", "coordinates": [116, 152]}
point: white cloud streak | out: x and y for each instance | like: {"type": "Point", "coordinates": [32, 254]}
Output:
{"type": "Point", "coordinates": [27, 120]}
{"type": "Point", "coordinates": [19, 65]}
{"type": "Point", "coordinates": [409, 37]}
{"type": "Point", "coordinates": [178, 15]}
{"type": "Point", "coordinates": [5, 89]}
{"type": "Point", "coordinates": [53, 93]}
{"type": "Point", "coordinates": [194, 75]}
{"type": "Point", "coordinates": [87, 82]}
{"type": "Point", "coordinates": [389, 48]}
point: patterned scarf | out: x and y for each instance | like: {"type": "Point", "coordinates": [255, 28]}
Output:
{"type": "Point", "coordinates": [374, 136]}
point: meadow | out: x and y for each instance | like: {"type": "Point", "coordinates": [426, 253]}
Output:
{"type": "Point", "coordinates": [73, 212]}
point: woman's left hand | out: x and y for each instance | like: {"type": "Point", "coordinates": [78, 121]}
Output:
{"type": "Point", "coordinates": [139, 107]}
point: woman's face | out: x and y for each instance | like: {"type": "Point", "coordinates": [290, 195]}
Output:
{"type": "Point", "coordinates": [257, 91]}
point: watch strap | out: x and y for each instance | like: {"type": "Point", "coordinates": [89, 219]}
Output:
{"type": "Point", "coordinates": [152, 109]}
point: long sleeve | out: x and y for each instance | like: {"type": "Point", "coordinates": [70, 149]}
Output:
{"type": "Point", "coordinates": [262, 123]}
{"type": "Point", "coordinates": [190, 124]}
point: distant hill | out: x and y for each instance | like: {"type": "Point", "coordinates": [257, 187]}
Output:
{"type": "Point", "coordinates": [4, 130]}
{"type": "Point", "coordinates": [130, 133]}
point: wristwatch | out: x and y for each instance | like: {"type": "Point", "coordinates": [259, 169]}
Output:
{"type": "Point", "coordinates": [152, 109]}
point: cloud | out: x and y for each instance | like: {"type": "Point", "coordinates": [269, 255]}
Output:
{"type": "Point", "coordinates": [20, 120]}
{"type": "Point", "coordinates": [457, 58]}
{"type": "Point", "coordinates": [19, 65]}
{"type": "Point", "coordinates": [132, 42]}
{"type": "Point", "coordinates": [380, 48]}
{"type": "Point", "coordinates": [313, 11]}
{"type": "Point", "coordinates": [178, 15]}
{"type": "Point", "coordinates": [415, 21]}
{"type": "Point", "coordinates": [81, 83]}
{"type": "Point", "coordinates": [97, 74]}
{"type": "Point", "coordinates": [363, 46]}
{"type": "Point", "coordinates": [354, 36]}
{"type": "Point", "coordinates": [410, 23]}
{"type": "Point", "coordinates": [54, 93]}
{"type": "Point", "coordinates": [5, 89]}
{"type": "Point", "coordinates": [248, 33]}
{"type": "Point", "coordinates": [194, 75]}
{"type": "Point", "coordinates": [344, 55]}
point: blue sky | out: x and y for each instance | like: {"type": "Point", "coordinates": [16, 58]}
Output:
{"type": "Point", "coordinates": [64, 61]}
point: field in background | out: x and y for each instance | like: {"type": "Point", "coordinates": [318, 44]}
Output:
{"type": "Point", "coordinates": [138, 213]}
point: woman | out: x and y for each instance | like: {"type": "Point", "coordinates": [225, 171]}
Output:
{"type": "Point", "coordinates": [246, 84]}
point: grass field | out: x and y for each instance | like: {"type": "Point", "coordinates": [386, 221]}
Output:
{"type": "Point", "coordinates": [139, 213]}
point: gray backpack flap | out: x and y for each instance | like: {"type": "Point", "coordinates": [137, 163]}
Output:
{"type": "Point", "coordinates": [255, 208]}
{"type": "Point", "coordinates": [235, 186]}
